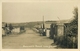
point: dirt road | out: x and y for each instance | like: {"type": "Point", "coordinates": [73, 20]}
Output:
{"type": "Point", "coordinates": [28, 39]}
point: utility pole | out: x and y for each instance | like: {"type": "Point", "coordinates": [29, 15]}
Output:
{"type": "Point", "coordinates": [43, 23]}
{"type": "Point", "coordinates": [44, 31]}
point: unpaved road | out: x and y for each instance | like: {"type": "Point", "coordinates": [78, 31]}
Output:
{"type": "Point", "coordinates": [26, 40]}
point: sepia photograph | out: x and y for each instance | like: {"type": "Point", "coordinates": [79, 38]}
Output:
{"type": "Point", "coordinates": [39, 25]}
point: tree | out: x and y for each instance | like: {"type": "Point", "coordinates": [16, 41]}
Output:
{"type": "Point", "coordinates": [6, 25]}
{"type": "Point", "coordinates": [71, 30]}
{"type": "Point", "coordinates": [75, 12]}
{"type": "Point", "coordinates": [10, 27]}
{"type": "Point", "coordinates": [75, 21]}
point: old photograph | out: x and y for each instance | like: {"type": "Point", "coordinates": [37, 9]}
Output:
{"type": "Point", "coordinates": [39, 25]}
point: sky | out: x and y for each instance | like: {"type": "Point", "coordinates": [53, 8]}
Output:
{"type": "Point", "coordinates": [16, 12]}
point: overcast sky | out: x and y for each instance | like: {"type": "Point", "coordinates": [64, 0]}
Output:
{"type": "Point", "coordinates": [15, 12]}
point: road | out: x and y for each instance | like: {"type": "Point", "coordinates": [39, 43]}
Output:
{"type": "Point", "coordinates": [27, 40]}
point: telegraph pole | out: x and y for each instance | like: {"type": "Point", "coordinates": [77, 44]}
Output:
{"type": "Point", "coordinates": [44, 31]}
{"type": "Point", "coordinates": [43, 23]}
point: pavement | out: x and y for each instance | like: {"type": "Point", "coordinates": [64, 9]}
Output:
{"type": "Point", "coordinates": [27, 40]}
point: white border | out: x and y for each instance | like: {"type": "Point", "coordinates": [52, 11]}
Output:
{"type": "Point", "coordinates": [38, 1]}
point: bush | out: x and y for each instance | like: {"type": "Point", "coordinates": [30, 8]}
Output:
{"type": "Point", "coordinates": [65, 42]}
